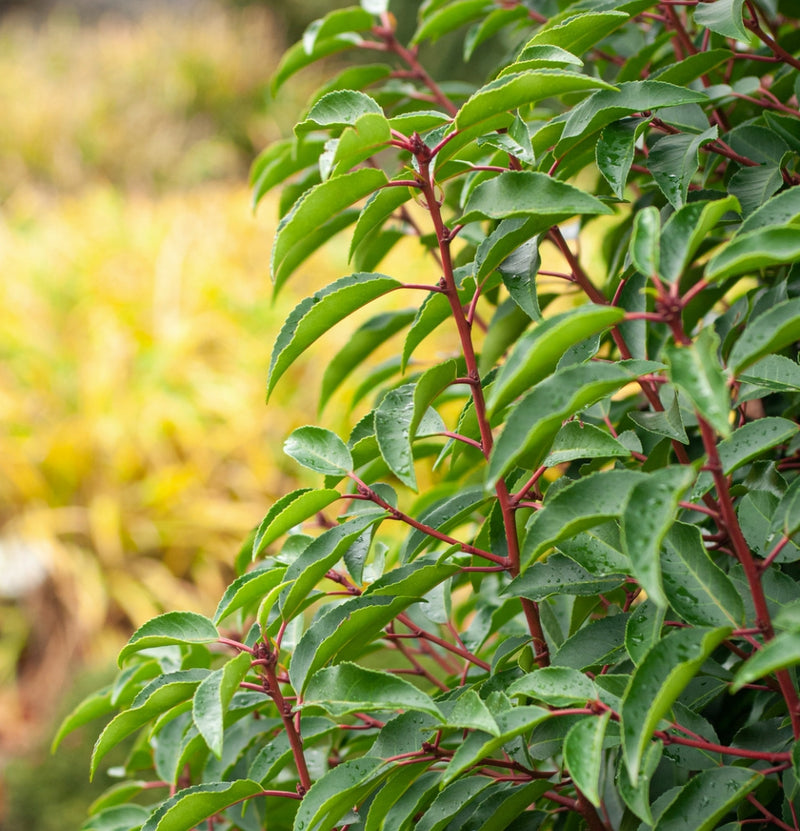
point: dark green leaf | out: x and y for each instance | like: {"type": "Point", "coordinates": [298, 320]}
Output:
{"type": "Point", "coordinates": [723, 17]}
{"type": "Point", "coordinates": [776, 328]}
{"type": "Point", "coordinates": [597, 644]}
{"type": "Point", "coordinates": [556, 686]}
{"type": "Point", "coordinates": [497, 250]}
{"type": "Point", "coordinates": [657, 682]}
{"type": "Point", "coordinates": [615, 151]}
{"type": "Point", "coordinates": [666, 422]}
{"type": "Point", "coordinates": [560, 575]}
{"type": "Point", "coordinates": [753, 186]}
{"type": "Point", "coordinates": [643, 630]}
{"type": "Point", "coordinates": [781, 210]}
{"type": "Point", "coordinates": [445, 808]}
{"type": "Point", "coordinates": [673, 161]}
{"type": "Point", "coordinates": [583, 441]}
{"type": "Point", "coordinates": [212, 697]}
{"type": "Point", "coordinates": [583, 754]}
{"type": "Point", "coordinates": [315, 315]}
{"type": "Point", "coordinates": [781, 652]}
{"type": "Point", "coordinates": [190, 806]}
{"type": "Point", "coordinates": [755, 251]}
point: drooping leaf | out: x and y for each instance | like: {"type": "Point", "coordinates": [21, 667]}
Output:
{"type": "Point", "coordinates": [556, 686]}
{"type": "Point", "coordinates": [673, 161]}
{"type": "Point", "coordinates": [212, 697]}
{"type": "Point", "coordinates": [172, 627]}
{"type": "Point", "coordinates": [248, 589]}
{"type": "Point", "coordinates": [583, 441]}
{"type": "Point", "coordinates": [781, 652]}
{"type": "Point", "coordinates": [583, 754]}
{"type": "Point", "coordinates": [615, 150]}
{"type": "Point", "coordinates": [339, 109]}
{"type": "Point", "coordinates": [96, 704]}
{"type": "Point", "coordinates": [446, 807]}
{"type": "Point", "coordinates": [647, 517]}
{"type": "Point", "coordinates": [348, 688]}
{"type": "Point", "coordinates": [776, 328]}
{"type": "Point", "coordinates": [645, 249]}
{"type": "Point", "coordinates": [496, 250]}
{"type": "Point", "coordinates": [529, 194]}
{"type": "Point", "coordinates": [117, 818]}
{"type": "Point", "coordinates": [561, 575]}
{"type": "Point", "coordinates": [643, 630]}
{"type": "Point", "coordinates": [488, 25]}
{"type": "Point", "coordinates": [753, 186]}
{"type": "Point", "coordinates": [190, 806]}
{"type": "Point", "coordinates": [754, 251]}
{"type": "Point", "coordinates": [696, 370]}
{"type": "Point", "coordinates": [315, 315]}
{"type": "Point", "coordinates": [655, 684]}
{"type": "Point", "coordinates": [723, 17]}
{"type": "Point", "coordinates": [297, 57]}
{"type": "Point", "coordinates": [781, 210]}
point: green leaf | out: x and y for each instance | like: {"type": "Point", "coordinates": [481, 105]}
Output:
{"type": "Point", "coordinates": [316, 207]}
{"type": "Point", "coordinates": [337, 22]}
{"type": "Point", "coordinates": [489, 25]}
{"type": "Point", "coordinates": [399, 415]}
{"type": "Point", "coordinates": [775, 372]}
{"type": "Point", "coordinates": [118, 794]}
{"type": "Point", "coordinates": [646, 519]}
{"type": "Point", "coordinates": [753, 186]}
{"type": "Point", "coordinates": [339, 109]}
{"type": "Point", "coordinates": [212, 697]}
{"type": "Point", "coordinates": [391, 795]}
{"type": "Point", "coordinates": [692, 67]}
{"type": "Point", "coordinates": [172, 627]}
{"type": "Point", "coordinates": [578, 32]}
{"type": "Point", "coordinates": [696, 370]}
{"type": "Point", "coordinates": [248, 589]}
{"type": "Point", "coordinates": [697, 589]}
{"type": "Point", "coordinates": [317, 558]}
{"type": "Point", "coordinates": [190, 806]}
{"type": "Point", "coordinates": [319, 450]}
{"type": "Point", "coordinates": [686, 230]}
{"type": "Point", "coordinates": [583, 441]}
{"type": "Point", "coordinates": [378, 208]}
{"type": "Point", "coordinates": [655, 684]}
{"type": "Point", "coordinates": [315, 315]}
{"type": "Point", "coordinates": [348, 688]}
{"type": "Point", "coordinates": [512, 91]}
{"type": "Point", "coordinates": [556, 686]}
{"type": "Point", "coordinates": [597, 550]}
{"type": "Point", "coordinates": [560, 575]}
{"type": "Point", "coordinates": [595, 645]}
{"type": "Point", "coordinates": [509, 235]}
{"type": "Point", "coordinates": [577, 506]}
{"type": "Point", "coordinates": [667, 422]}
{"type": "Point", "coordinates": [707, 797]}
{"type": "Point", "coordinates": [723, 17]}
{"type": "Point", "coordinates": [605, 106]}
{"type": "Point", "coordinates": [446, 806]}
{"type": "Point", "coordinates": [645, 247]}
{"type": "Point", "coordinates": [782, 209]}
{"type": "Point", "coordinates": [747, 443]}
{"type": "Point", "coordinates": [615, 151]}
{"type": "Point", "coordinates": [583, 754]}
{"type": "Point", "coordinates": [754, 251]}
{"type": "Point", "coordinates": [781, 652]}
{"type": "Point", "coordinates": [470, 712]}
{"type": "Point", "coordinates": [776, 328]}
{"type": "Point", "coordinates": [477, 746]}
{"type": "Point", "coordinates": [525, 194]}
{"type": "Point", "coordinates": [275, 755]}
{"type": "Point", "coordinates": [96, 704]}
{"type": "Point", "coordinates": [290, 510]}
{"type": "Point", "coordinates": [280, 161]}
{"type": "Point", "coordinates": [538, 352]}
{"type": "Point", "coordinates": [117, 818]}
{"type": "Point", "coordinates": [643, 630]}
{"type": "Point", "coordinates": [450, 17]}
{"type": "Point", "coordinates": [540, 57]}
{"type": "Point", "coordinates": [335, 793]}
{"type": "Point", "coordinates": [362, 343]}
{"type": "Point", "coordinates": [156, 698]}
{"type": "Point", "coordinates": [354, 623]}
{"type": "Point", "coordinates": [673, 161]}
{"type": "Point", "coordinates": [536, 419]}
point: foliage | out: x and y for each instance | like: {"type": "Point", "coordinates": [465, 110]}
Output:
{"type": "Point", "coordinates": [550, 578]}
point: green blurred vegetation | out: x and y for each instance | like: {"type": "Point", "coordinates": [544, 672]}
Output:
{"type": "Point", "coordinates": [136, 449]}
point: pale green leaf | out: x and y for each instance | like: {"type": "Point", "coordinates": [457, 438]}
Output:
{"type": "Point", "coordinates": [319, 450]}
{"type": "Point", "coordinates": [248, 589]}
{"type": "Point", "coordinates": [645, 248]}
{"type": "Point", "coordinates": [556, 686]}
{"type": "Point", "coordinates": [754, 251]}
{"type": "Point", "coordinates": [169, 628]}
{"type": "Point", "coordinates": [290, 510]}
{"type": "Point", "coordinates": [723, 17]}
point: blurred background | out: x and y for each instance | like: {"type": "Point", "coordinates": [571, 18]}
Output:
{"type": "Point", "coordinates": [136, 452]}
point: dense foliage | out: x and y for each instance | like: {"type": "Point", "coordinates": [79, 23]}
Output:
{"type": "Point", "coordinates": [550, 578]}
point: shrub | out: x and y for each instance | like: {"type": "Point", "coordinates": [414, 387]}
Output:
{"type": "Point", "coordinates": [550, 579]}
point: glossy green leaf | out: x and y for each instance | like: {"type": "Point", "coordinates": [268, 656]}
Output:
{"type": "Point", "coordinates": [536, 419]}
{"type": "Point", "coordinates": [351, 19]}
{"type": "Point", "coordinates": [749, 442]}
{"type": "Point", "coordinates": [706, 798]}
{"type": "Point", "coordinates": [276, 754]}
{"type": "Point", "coordinates": [580, 505]}
{"type": "Point", "coordinates": [190, 806]}
{"type": "Point", "coordinates": [692, 67]}
{"type": "Point", "coordinates": [297, 57]}
{"type": "Point", "coordinates": [378, 208]}
{"type": "Point", "coordinates": [392, 794]}
{"type": "Point", "coordinates": [561, 575]}
{"type": "Point", "coordinates": [450, 17]}
{"type": "Point", "coordinates": [583, 754]}
{"type": "Point", "coordinates": [317, 558]}
{"type": "Point", "coordinates": [637, 796]}
{"type": "Point", "coordinates": [315, 315]}
{"type": "Point", "coordinates": [723, 17]}
{"type": "Point", "coordinates": [509, 235]}
{"type": "Point", "coordinates": [579, 32]}
{"type": "Point", "coordinates": [538, 352]}
{"type": "Point", "coordinates": [781, 652]}
{"type": "Point", "coordinates": [647, 517]}
{"type": "Point", "coordinates": [753, 252]}
{"type": "Point", "coordinates": [595, 645]}
{"type": "Point", "coordinates": [319, 450]}
{"type": "Point", "coordinates": [316, 207]}
{"type": "Point", "coordinates": [477, 746]}
{"type": "Point", "coordinates": [247, 590]}
{"type": "Point", "coordinates": [643, 630]}
{"type": "Point", "coordinates": [615, 151]}
{"type": "Point", "coordinates": [775, 372]}
{"type": "Point", "coordinates": [500, 808]}
{"type": "Point", "coordinates": [583, 441]}
{"type": "Point", "coordinates": [290, 510]}
{"type": "Point", "coordinates": [529, 194]}
{"type": "Point", "coordinates": [776, 328]}
{"type": "Point", "coordinates": [645, 247]}
{"type": "Point", "coordinates": [667, 422]}
{"type": "Point", "coordinates": [446, 806]}
{"type": "Point", "coordinates": [655, 684]}
{"type": "Point", "coordinates": [696, 370]}
{"type": "Point", "coordinates": [348, 688]}
{"type": "Point", "coordinates": [172, 627]}
{"type": "Point", "coordinates": [598, 549]}
{"type": "Point", "coordinates": [355, 623]}
{"type": "Point", "coordinates": [362, 343]}
{"type": "Point", "coordinates": [280, 161]}
{"type": "Point", "coordinates": [697, 589]}
{"type": "Point", "coordinates": [338, 109]}
{"type": "Point", "coordinates": [753, 186]}
{"type": "Point", "coordinates": [212, 697]}
{"type": "Point", "coordinates": [686, 230]}
{"type": "Point", "coordinates": [673, 161]}
{"type": "Point", "coordinates": [117, 795]}
{"type": "Point", "coordinates": [488, 25]}
{"type": "Point", "coordinates": [117, 818]}
{"type": "Point", "coordinates": [156, 698]}
{"type": "Point", "coordinates": [556, 686]}
{"type": "Point", "coordinates": [470, 712]}
{"type": "Point", "coordinates": [541, 56]}
{"type": "Point", "coordinates": [782, 209]}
